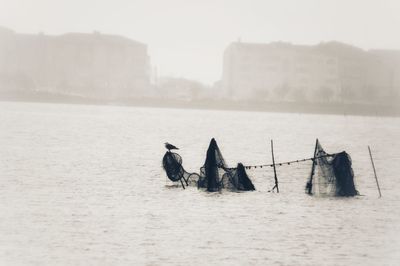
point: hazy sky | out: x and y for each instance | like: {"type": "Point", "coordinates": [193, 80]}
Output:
{"type": "Point", "coordinates": [186, 37]}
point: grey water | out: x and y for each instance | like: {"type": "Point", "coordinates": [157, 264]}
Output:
{"type": "Point", "coordinates": [83, 185]}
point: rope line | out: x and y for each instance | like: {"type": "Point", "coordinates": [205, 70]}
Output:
{"type": "Point", "coordinates": [283, 163]}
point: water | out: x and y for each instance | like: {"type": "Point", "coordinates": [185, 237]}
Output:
{"type": "Point", "coordinates": [83, 185]}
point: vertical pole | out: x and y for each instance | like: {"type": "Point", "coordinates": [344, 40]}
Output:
{"type": "Point", "coordinates": [273, 163]}
{"type": "Point", "coordinates": [373, 166]}
{"type": "Point", "coordinates": [182, 183]}
{"type": "Point", "coordinates": [309, 184]}
{"type": "Point", "coordinates": [186, 181]}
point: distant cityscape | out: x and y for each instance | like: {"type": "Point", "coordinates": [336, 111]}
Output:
{"type": "Point", "coordinates": [327, 72]}
{"type": "Point", "coordinates": [112, 68]}
{"type": "Point", "coordinates": [86, 65]}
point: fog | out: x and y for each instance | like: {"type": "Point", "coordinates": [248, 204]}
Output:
{"type": "Point", "coordinates": [186, 38]}
{"type": "Point", "coordinates": [209, 54]}
{"type": "Point", "coordinates": [199, 132]}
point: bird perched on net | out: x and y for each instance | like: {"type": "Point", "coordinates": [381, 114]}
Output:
{"type": "Point", "coordinates": [170, 147]}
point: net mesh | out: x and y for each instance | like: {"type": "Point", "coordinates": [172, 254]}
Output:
{"type": "Point", "coordinates": [213, 169]}
{"type": "Point", "coordinates": [214, 174]}
{"type": "Point", "coordinates": [331, 175]}
{"type": "Point", "coordinates": [237, 179]}
{"type": "Point", "coordinates": [172, 164]}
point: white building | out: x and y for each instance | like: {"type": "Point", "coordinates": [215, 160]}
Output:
{"type": "Point", "coordinates": [328, 72]}
{"type": "Point", "coordinates": [89, 65]}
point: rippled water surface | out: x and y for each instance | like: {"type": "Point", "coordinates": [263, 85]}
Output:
{"type": "Point", "coordinates": [83, 185]}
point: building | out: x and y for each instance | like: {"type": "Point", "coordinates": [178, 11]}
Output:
{"type": "Point", "coordinates": [328, 72]}
{"type": "Point", "coordinates": [88, 65]}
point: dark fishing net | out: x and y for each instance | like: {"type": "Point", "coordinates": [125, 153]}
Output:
{"type": "Point", "coordinates": [172, 163]}
{"type": "Point", "coordinates": [331, 175]}
{"type": "Point", "coordinates": [344, 175]}
{"type": "Point", "coordinates": [237, 179]}
{"type": "Point", "coordinates": [213, 169]}
{"type": "Point", "coordinates": [215, 174]}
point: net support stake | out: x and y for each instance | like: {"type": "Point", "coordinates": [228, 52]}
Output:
{"type": "Point", "coordinates": [183, 186]}
{"type": "Point", "coordinates": [273, 164]}
{"type": "Point", "coordinates": [309, 184]}
{"type": "Point", "coordinates": [373, 166]}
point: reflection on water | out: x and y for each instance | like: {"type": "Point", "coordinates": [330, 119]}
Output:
{"type": "Point", "coordinates": [84, 185]}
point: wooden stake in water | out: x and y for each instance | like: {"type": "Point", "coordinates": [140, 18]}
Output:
{"type": "Point", "coordinates": [182, 183]}
{"type": "Point", "coordinates": [373, 166]}
{"type": "Point", "coordinates": [186, 181]}
{"type": "Point", "coordinates": [273, 164]}
{"type": "Point", "coordinates": [310, 181]}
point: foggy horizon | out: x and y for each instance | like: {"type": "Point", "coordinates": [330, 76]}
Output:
{"type": "Point", "coordinates": [187, 38]}
{"type": "Point", "coordinates": [154, 65]}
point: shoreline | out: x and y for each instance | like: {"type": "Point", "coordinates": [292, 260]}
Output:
{"type": "Point", "coordinates": [357, 109]}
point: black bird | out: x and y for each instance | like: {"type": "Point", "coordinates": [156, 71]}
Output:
{"type": "Point", "coordinates": [170, 147]}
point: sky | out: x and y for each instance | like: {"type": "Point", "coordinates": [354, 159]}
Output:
{"type": "Point", "coordinates": [186, 38]}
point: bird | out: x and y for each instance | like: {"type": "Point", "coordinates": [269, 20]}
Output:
{"type": "Point", "coordinates": [170, 147]}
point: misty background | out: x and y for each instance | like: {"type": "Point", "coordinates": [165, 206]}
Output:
{"type": "Point", "coordinates": [82, 181]}
{"type": "Point", "coordinates": [227, 54]}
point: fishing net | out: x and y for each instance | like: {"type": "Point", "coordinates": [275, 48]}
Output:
{"type": "Point", "coordinates": [215, 174]}
{"type": "Point", "coordinates": [213, 169]}
{"type": "Point", "coordinates": [237, 179]}
{"type": "Point", "coordinates": [331, 175]}
{"type": "Point", "coordinates": [172, 163]}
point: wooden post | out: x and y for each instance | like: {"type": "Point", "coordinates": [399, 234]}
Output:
{"type": "Point", "coordinates": [373, 166]}
{"type": "Point", "coordinates": [273, 163]}
{"type": "Point", "coordinates": [182, 183]}
{"type": "Point", "coordinates": [186, 181]}
{"type": "Point", "coordinates": [309, 184]}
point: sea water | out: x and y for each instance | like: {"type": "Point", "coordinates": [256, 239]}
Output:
{"type": "Point", "coordinates": [83, 185]}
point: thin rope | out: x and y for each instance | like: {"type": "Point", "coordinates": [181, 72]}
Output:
{"type": "Point", "coordinates": [283, 163]}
